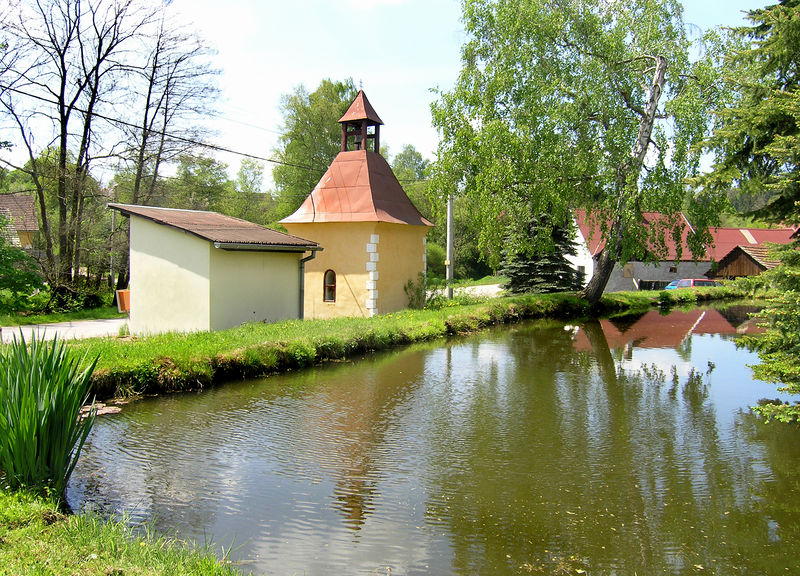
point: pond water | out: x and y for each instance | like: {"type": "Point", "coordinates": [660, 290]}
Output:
{"type": "Point", "coordinates": [613, 447]}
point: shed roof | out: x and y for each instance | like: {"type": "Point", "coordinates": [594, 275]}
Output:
{"type": "Point", "coordinates": [361, 109]}
{"type": "Point", "coordinates": [359, 186]}
{"type": "Point", "coordinates": [759, 254]}
{"type": "Point", "coordinates": [225, 231]}
{"type": "Point", "coordinates": [19, 207]}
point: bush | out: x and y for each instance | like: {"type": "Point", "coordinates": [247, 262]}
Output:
{"type": "Point", "coordinates": [42, 390]}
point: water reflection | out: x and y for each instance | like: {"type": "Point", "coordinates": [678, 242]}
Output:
{"type": "Point", "coordinates": [540, 448]}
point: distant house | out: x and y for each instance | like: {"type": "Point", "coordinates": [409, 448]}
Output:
{"type": "Point", "coordinates": [732, 252]}
{"type": "Point", "coordinates": [744, 251]}
{"type": "Point", "coordinates": [676, 260]}
{"type": "Point", "coordinates": [19, 210]}
{"type": "Point", "coordinates": [195, 271]}
{"type": "Point", "coordinates": [374, 237]}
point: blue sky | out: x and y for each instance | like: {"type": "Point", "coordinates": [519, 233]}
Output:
{"type": "Point", "coordinates": [398, 50]}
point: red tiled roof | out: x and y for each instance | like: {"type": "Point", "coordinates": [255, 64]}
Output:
{"type": "Point", "coordinates": [359, 186]}
{"type": "Point", "coordinates": [218, 228]}
{"type": "Point", "coordinates": [20, 209]}
{"type": "Point", "coordinates": [726, 239]}
{"type": "Point", "coordinates": [361, 109]}
{"type": "Point", "coordinates": [590, 229]}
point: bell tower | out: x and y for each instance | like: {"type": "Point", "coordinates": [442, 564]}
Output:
{"type": "Point", "coordinates": [361, 126]}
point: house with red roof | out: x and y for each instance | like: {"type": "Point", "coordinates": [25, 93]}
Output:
{"type": "Point", "coordinates": [197, 271]}
{"type": "Point", "coordinates": [668, 241]}
{"type": "Point", "coordinates": [743, 251]}
{"type": "Point", "coordinates": [373, 235]}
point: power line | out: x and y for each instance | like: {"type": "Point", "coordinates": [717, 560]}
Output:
{"type": "Point", "coordinates": [164, 133]}
{"type": "Point", "coordinates": [210, 146]}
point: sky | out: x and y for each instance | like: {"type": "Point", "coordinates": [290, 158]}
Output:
{"type": "Point", "coordinates": [398, 51]}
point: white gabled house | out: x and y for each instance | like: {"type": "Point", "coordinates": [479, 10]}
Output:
{"type": "Point", "coordinates": [193, 271]}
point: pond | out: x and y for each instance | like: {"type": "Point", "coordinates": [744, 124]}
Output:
{"type": "Point", "coordinates": [614, 447]}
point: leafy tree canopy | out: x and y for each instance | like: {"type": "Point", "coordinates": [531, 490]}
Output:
{"type": "Point", "coordinates": [757, 138]}
{"type": "Point", "coordinates": [19, 276]}
{"type": "Point", "coordinates": [576, 104]}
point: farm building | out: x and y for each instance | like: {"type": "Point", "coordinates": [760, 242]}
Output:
{"type": "Point", "coordinates": [676, 260]}
{"type": "Point", "coordinates": [374, 237]}
{"type": "Point", "coordinates": [741, 250]}
{"type": "Point", "coordinates": [193, 271]}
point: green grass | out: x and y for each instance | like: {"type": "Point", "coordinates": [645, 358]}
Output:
{"type": "Point", "coordinates": [91, 314]}
{"type": "Point", "coordinates": [173, 362]}
{"type": "Point", "coordinates": [36, 538]}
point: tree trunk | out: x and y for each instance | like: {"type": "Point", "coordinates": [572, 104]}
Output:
{"type": "Point", "coordinates": [627, 190]}
{"type": "Point", "coordinates": [604, 266]}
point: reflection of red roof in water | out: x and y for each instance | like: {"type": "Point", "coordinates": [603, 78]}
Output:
{"type": "Point", "coordinates": [656, 331]}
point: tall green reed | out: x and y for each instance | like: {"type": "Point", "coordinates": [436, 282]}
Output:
{"type": "Point", "coordinates": [42, 390]}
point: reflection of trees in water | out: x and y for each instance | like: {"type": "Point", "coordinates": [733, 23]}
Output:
{"type": "Point", "coordinates": [776, 499]}
{"type": "Point", "coordinates": [739, 314]}
{"type": "Point", "coordinates": [345, 425]}
{"type": "Point", "coordinates": [586, 467]}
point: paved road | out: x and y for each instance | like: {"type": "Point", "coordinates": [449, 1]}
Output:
{"type": "Point", "coordinates": [66, 330]}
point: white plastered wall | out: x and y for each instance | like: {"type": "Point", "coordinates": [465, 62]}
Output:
{"type": "Point", "coordinates": [169, 283]}
{"type": "Point", "coordinates": [253, 287]}
{"type": "Point", "coordinates": [583, 258]}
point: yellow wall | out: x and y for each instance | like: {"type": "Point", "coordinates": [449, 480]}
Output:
{"type": "Point", "coordinates": [25, 238]}
{"type": "Point", "coordinates": [253, 287]}
{"type": "Point", "coordinates": [370, 275]}
{"type": "Point", "coordinates": [169, 279]}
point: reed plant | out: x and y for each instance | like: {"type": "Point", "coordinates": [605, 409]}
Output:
{"type": "Point", "coordinates": [43, 385]}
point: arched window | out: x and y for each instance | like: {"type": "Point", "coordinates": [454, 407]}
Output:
{"type": "Point", "coordinates": [329, 286]}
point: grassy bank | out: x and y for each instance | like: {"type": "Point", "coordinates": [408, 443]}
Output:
{"type": "Point", "coordinates": [174, 362]}
{"type": "Point", "coordinates": [36, 538]}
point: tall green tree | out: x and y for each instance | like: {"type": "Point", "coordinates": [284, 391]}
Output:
{"type": "Point", "coordinates": [311, 138]}
{"type": "Point", "coordinates": [576, 104]}
{"type": "Point", "coordinates": [757, 135]}
{"type": "Point", "coordinates": [757, 146]}
{"type": "Point", "coordinates": [546, 271]}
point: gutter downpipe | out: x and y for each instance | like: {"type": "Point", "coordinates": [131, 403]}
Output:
{"type": "Point", "coordinates": [302, 262]}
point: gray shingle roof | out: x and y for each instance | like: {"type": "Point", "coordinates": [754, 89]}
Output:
{"type": "Point", "coordinates": [20, 208]}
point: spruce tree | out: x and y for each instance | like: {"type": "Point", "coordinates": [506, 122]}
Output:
{"type": "Point", "coordinates": [546, 271]}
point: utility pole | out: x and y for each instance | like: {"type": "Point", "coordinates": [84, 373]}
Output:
{"type": "Point", "coordinates": [450, 256]}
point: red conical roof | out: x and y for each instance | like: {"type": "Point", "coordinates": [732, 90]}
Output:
{"type": "Point", "coordinates": [359, 186]}
{"type": "Point", "coordinates": [361, 109]}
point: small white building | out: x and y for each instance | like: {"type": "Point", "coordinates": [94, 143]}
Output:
{"type": "Point", "coordinates": [193, 271]}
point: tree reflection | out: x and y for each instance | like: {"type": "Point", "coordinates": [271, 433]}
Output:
{"type": "Point", "coordinates": [580, 465]}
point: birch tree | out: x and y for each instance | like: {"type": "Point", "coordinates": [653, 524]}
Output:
{"type": "Point", "coordinates": [566, 104]}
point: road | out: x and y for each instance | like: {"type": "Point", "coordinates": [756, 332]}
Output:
{"type": "Point", "coordinates": [77, 329]}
